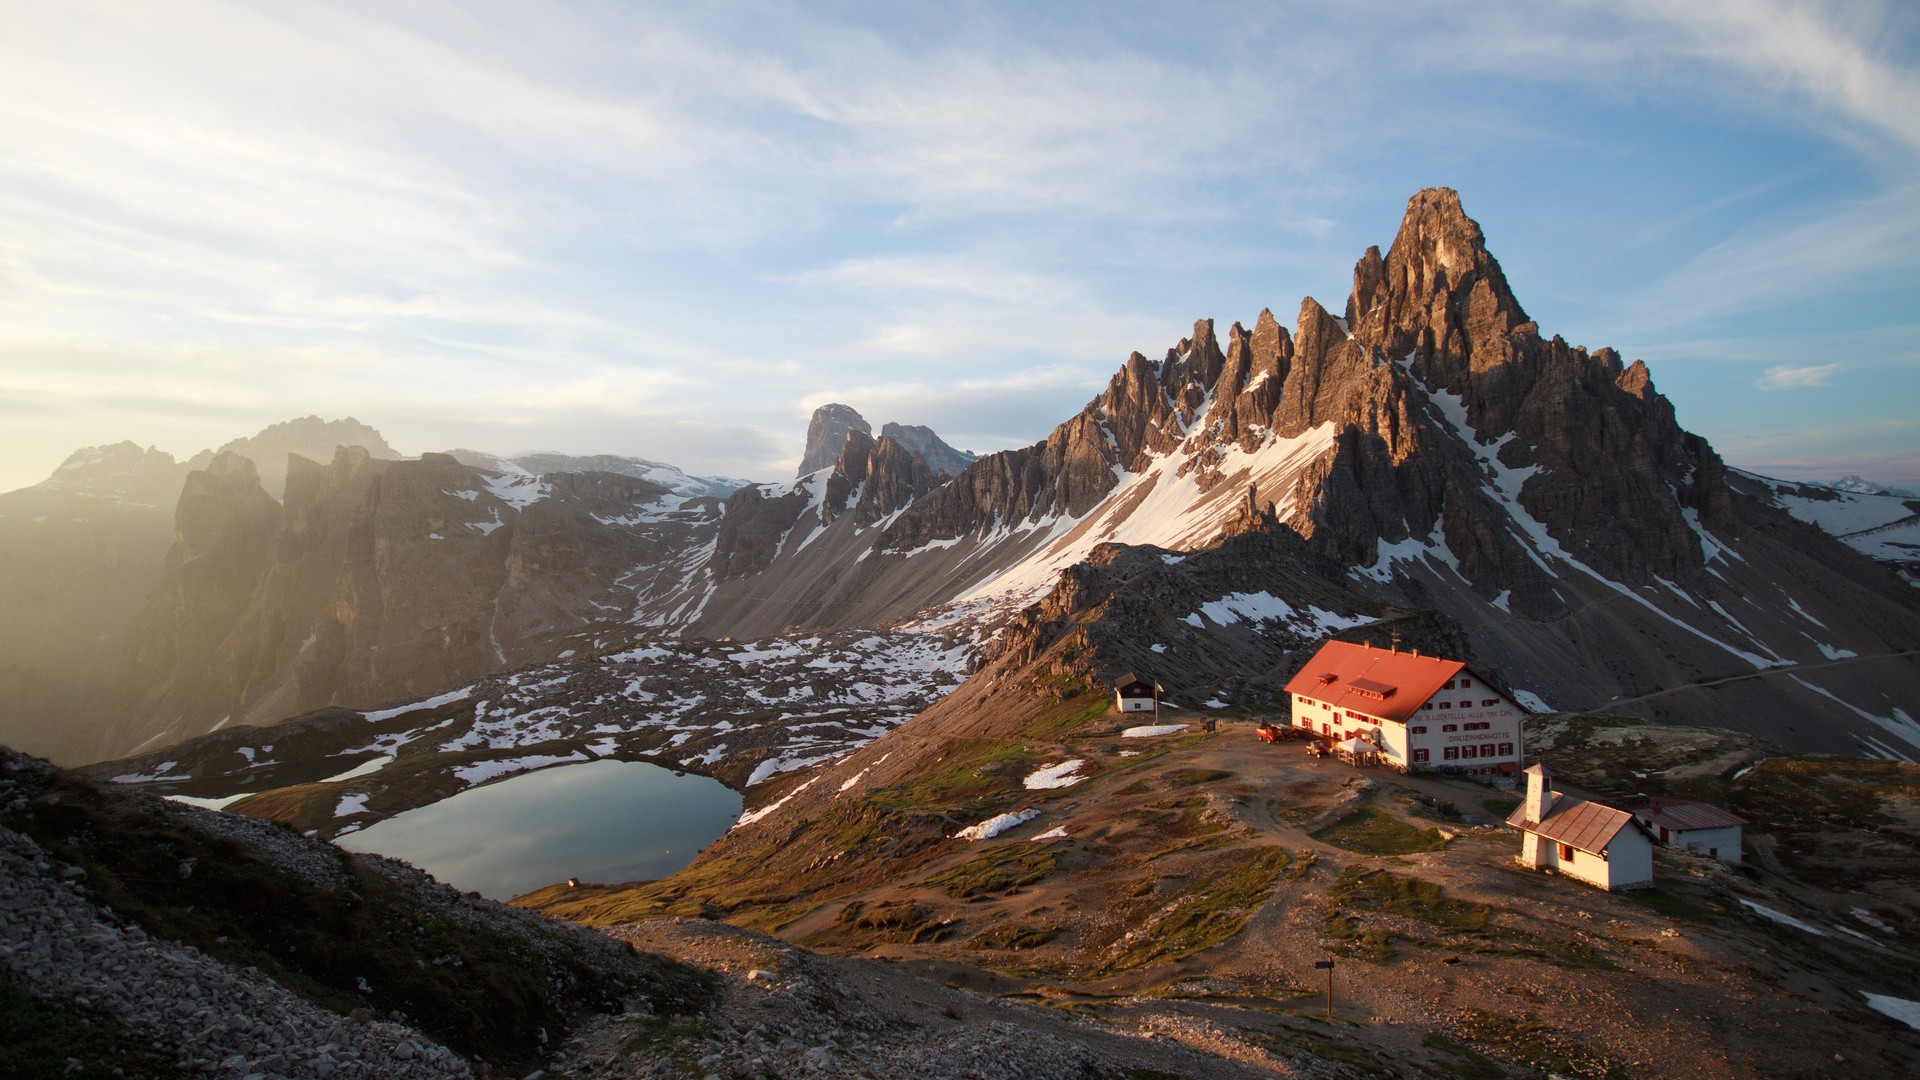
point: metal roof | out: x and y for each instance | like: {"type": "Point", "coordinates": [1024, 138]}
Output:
{"type": "Point", "coordinates": [1680, 815]}
{"type": "Point", "coordinates": [1589, 826]}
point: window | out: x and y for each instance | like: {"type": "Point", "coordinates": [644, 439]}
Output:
{"type": "Point", "coordinates": [1324, 705]}
{"type": "Point", "coordinates": [1327, 729]}
{"type": "Point", "coordinates": [1566, 852]}
{"type": "Point", "coordinates": [1420, 755]}
{"type": "Point", "coordinates": [1449, 727]}
{"type": "Point", "coordinates": [1465, 682]}
{"type": "Point", "coordinates": [1506, 749]}
{"type": "Point", "coordinates": [1489, 702]}
{"type": "Point", "coordinates": [1418, 729]}
{"type": "Point", "coordinates": [1428, 706]}
{"type": "Point", "coordinates": [1469, 751]}
{"type": "Point", "coordinates": [1446, 704]}
{"type": "Point", "coordinates": [1452, 753]}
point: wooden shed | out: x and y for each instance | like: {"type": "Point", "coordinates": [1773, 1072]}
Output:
{"type": "Point", "coordinates": [1133, 694]}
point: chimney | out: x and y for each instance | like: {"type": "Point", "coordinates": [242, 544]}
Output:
{"type": "Point", "coordinates": [1539, 794]}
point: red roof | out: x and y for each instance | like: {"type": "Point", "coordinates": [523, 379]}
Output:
{"type": "Point", "coordinates": [1379, 682]}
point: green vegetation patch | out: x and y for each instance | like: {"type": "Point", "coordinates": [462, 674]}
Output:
{"type": "Point", "coordinates": [1372, 831]}
{"type": "Point", "coordinates": [850, 847]}
{"type": "Point", "coordinates": [1296, 1039]}
{"type": "Point", "coordinates": [53, 1038]}
{"type": "Point", "coordinates": [1434, 921]}
{"type": "Point", "coordinates": [1014, 936]}
{"type": "Point", "coordinates": [1676, 907]}
{"type": "Point", "coordinates": [1068, 716]}
{"type": "Point", "coordinates": [1207, 913]}
{"type": "Point", "coordinates": [1531, 1041]}
{"type": "Point", "coordinates": [1187, 777]}
{"type": "Point", "coordinates": [482, 992]}
{"type": "Point", "coordinates": [894, 921]}
{"type": "Point", "coordinates": [998, 870]}
{"type": "Point", "coordinates": [979, 778]}
{"type": "Point", "coordinates": [1378, 892]}
{"type": "Point", "coordinates": [1462, 1062]}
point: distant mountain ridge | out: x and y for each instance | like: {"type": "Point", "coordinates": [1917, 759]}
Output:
{"type": "Point", "coordinates": [85, 554]}
{"type": "Point", "coordinates": [1431, 440]}
{"type": "Point", "coordinates": [1862, 486]}
{"type": "Point", "coordinates": [1429, 443]}
{"type": "Point", "coordinates": [542, 462]}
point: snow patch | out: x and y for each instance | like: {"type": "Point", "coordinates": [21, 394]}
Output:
{"type": "Point", "coordinates": [1532, 702]}
{"type": "Point", "coordinates": [482, 771]}
{"type": "Point", "coordinates": [1055, 776]}
{"type": "Point", "coordinates": [447, 698]}
{"type": "Point", "coordinates": [1901, 1009]}
{"type": "Point", "coordinates": [750, 818]}
{"type": "Point", "coordinates": [350, 805]}
{"type": "Point", "coordinates": [159, 772]}
{"type": "Point", "coordinates": [365, 768]}
{"type": "Point", "coordinates": [1781, 917]}
{"type": "Point", "coordinates": [1150, 730]}
{"type": "Point", "coordinates": [1897, 724]}
{"type": "Point", "coordinates": [209, 804]}
{"type": "Point", "coordinates": [996, 825]}
{"type": "Point", "coordinates": [519, 491]}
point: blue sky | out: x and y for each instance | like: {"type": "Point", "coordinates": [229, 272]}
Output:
{"type": "Point", "coordinates": [635, 228]}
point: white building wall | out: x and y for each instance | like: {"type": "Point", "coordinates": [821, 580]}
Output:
{"type": "Point", "coordinates": [1136, 704]}
{"type": "Point", "coordinates": [1503, 721]}
{"type": "Point", "coordinates": [1723, 844]}
{"type": "Point", "coordinates": [1628, 863]}
{"type": "Point", "coordinates": [1629, 860]}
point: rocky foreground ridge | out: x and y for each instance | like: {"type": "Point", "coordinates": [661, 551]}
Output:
{"type": "Point", "coordinates": [132, 934]}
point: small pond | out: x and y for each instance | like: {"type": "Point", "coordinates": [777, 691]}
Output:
{"type": "Point", "coordinates": [598, 821]}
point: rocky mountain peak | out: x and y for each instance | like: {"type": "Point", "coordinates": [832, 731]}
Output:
{"type": "Point", "coordinates": [827, 435]}
{"type": "Point", "coordinates": [943, 459]}
{"type": "Point", "coordinates": [310, 437]}
{"type": "Point", "coordinates": [1438, 290]}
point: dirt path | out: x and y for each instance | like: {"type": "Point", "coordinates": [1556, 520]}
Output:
{"type": "Point", "coordinates": [1762, 673]}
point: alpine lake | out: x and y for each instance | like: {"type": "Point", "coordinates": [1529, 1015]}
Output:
{"type": "Point", "coordinates": [601, 821]}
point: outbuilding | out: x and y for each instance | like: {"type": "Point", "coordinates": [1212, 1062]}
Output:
{"type": "Point", "coordinates": [1580, 838]}
{"type": "Point", "coordinates": [1421, 712]}
{"type": "Point", "coordinates": [1691, 826]}
{"type": "Point", "coordinates": [1133, 694]}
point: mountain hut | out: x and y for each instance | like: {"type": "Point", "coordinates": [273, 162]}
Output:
{"type": "Point", "coordinates": [1422, 712]}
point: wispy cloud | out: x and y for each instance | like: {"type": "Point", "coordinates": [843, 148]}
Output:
{"type": "Point", "coordinates": [1800, 377]}
{"type": "Point", "coordinates": [666, 218]}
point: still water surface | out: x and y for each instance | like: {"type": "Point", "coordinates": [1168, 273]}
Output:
{"type": "Point", "coordinates": [599, 821]}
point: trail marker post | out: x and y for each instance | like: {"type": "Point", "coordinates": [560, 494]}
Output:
{"type": "Point", "coordinates": [1328, 965]}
